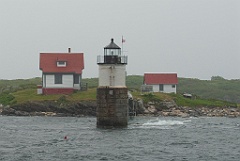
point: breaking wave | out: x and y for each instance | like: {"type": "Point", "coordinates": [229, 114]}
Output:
{"type": "Point", "coordinates": [163, 123]}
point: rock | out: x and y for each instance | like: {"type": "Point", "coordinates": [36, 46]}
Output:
{"type": "Point", "coordinates": [37, 113]}
{"type": "Point", "coordinates": [165, 113]}
{"type": "Point", "coordinates": [167, 105]}
{"type": "Point", "coordinates": [184, 115]}
{"type": "Point", "coordinates": [139, 106]}
{"type": "Point", "coordinates": [52, 108]}
{"type": "Point", "coordinates": [233, 110]}
{"type": "Point", "coordinates": [151, 103]}
{"type": "Point", "coordinates": [8, 111]}
{"type": "Point", "coordinates": [152, 109]}
{"type": "Point", "coordinates": [50, 113]}
{"type": "Point", "coordinates": [146, 111]}
{"type": "Point", "coordinates": [88, 108]}
{"type": "Point", "coordinates": [21, 113]}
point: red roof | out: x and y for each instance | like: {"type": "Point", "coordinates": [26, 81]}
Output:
{"type": "Point", "coordinates": [160, 78]}
{"type": "Point", "coordinates": [48, 62]}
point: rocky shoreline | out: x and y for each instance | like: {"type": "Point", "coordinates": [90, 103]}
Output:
{"type": "Point", "coordinates": [51, 108]}
{"type": "Point", "coordinates": [88, 108]}
{"type": "Point", "coordinates": [170, 108]}
{"type": "Point", "coordinates": [195, 112]}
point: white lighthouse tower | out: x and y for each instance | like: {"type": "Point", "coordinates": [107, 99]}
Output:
{"type": "Point", "coordinates": [112, 97]}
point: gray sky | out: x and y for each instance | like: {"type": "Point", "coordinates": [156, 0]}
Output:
{"type": "Point", "coordinates": [194, 38]}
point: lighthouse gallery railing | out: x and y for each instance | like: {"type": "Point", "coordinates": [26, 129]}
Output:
{"type": "Point", "coordinates": [112, 59]}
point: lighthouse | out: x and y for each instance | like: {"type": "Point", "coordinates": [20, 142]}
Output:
{"type": "Point", "coordinates": [112, 93]}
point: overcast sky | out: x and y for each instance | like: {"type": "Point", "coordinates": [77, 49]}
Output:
{"type": "Point", "coordinates": [194, 38]}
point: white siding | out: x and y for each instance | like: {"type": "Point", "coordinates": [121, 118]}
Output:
{"type": "Point", "coordinates": [76, 86]}
{"type": "Point", "coordinates": [43, 80]}
{"type": "Point", "coordinates": [67, 81]}
{"type": "Point", "coordinates": [112, 75]}
{"type": "Point", "coordinates": [167, 88]}
{"type": "Point", "coordinates": [155, 88]}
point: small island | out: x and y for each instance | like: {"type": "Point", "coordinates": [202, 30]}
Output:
{"type": "Point", "coordinates": [19, 98]}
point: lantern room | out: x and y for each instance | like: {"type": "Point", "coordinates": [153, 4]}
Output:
{"type": "Point", "coordinates": [112, 49]}
{"type": "Point", "coordinates": [112, 55]}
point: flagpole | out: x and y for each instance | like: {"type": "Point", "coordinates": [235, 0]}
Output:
{"type": "Point", "coordinates": [122, 45]}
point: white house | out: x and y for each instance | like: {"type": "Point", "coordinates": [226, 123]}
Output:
{"type": "Point", "coordinates": [161, 82]}
{"type": "Point", "coordinates": [61, 72]}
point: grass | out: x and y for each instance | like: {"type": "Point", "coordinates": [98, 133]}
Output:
{"type": "Point", "coordinates": [5, 98]}
{"type": "Point", "coordinates": [148, 97]}
{"type": "Point", "coordinates": [216, 88]}
{"type": "Point", "coordinates": [197, 102]}
{"type": "Point", "coordinates": [26, 95]}
{"type": "Point", "coordinates": [88, 95]}
{"type": "Point", "coordinates": [182, 101]}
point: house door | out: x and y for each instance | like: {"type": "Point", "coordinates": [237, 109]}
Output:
{"type": "Point", "coordinates": [160, 87]}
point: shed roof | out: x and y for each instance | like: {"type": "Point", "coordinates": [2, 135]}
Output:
{"type": "Point", "coordinates": [160, 78]}
{"type": "Point", "coordinates": [48, 62]}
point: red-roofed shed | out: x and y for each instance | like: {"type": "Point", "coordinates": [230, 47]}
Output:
{"type": "Point", "coordinates": [61, 72]}
{"type": "Point", "coordinates": [161, 82]}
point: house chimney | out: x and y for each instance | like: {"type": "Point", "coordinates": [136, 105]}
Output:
{"type": "Point", "coordinates": [69, 50]}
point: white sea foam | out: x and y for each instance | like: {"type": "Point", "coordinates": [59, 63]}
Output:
{"type": "Point", "coordinates": [163, 123]}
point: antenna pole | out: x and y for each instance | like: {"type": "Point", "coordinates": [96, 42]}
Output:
{"type": "Point", "coordinates": [122, 45]}
{"type": "Point", "coordinates": [123, 41]}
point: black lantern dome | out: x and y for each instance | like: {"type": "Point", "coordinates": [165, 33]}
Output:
{"type": "Point", "coordinates": [112, 49]}
{"type": "Point", "coordinates": [112, 55]}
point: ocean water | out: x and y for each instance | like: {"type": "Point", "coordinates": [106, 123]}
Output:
{"type": "Point", "coordinates": [146, 138]}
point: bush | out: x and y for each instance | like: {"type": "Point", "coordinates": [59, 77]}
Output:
{"type": "Point", "coordinates": [6, 98]}
{"type": "Point", "coordinates": [150, 97]}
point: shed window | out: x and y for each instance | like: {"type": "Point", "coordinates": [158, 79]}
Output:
{"type": "Point", "coordinates": [58, 78]}
{"type": "Point", "coordinates": [76, 78]}
{"type": "Point", "coordinates": [61, 63]}
{"type": "Point", "coordinates": [160, 87]}
{"type": "Point", "coordinates": [173, 86]}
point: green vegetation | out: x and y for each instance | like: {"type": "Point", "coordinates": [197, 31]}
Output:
{"type": "Point", "coordinates": [24, 95]}
{"type": "Point", "coordinates": [88, 95]}
{"type": "Point", "coordinates": [196, 102]}
{"type": "Point", "coordinates": [215, 92]}
{"type": "Point", "coordinates": [18, 84]}
{"type": "Point", "coordinates": [134, 82]}
{"type": "Point", "coordinates": [151, 97]}
{"type": "Point", "coordinates": [91, 82]}
{"type": "Point", "coordinates": [182, 101]}
{"type": "Point", "coordinates": [6, 98]}
{"type": "Point", "coordinates": [216, 88]}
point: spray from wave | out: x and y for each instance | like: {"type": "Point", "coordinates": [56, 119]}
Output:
{"type": "Point", "coordinates": [163, 123]}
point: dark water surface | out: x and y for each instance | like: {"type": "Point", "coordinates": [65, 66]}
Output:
{"type": "Point", "coordinates": [146, 138]}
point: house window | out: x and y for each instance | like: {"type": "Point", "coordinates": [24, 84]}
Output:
{"type": "Point", "coordinates": [160, 87]}
{"type": "Point", "coordinates": [76, 78]}
{"type": "Point", "coordinates": [173, 86]}
{"type": "Point", "coordinates": [58, 78]}
{"type": "Point", "coordinates": [61, 63]}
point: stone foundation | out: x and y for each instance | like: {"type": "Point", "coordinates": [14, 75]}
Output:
{"type": "Point", "coordinates": [112, 107]}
